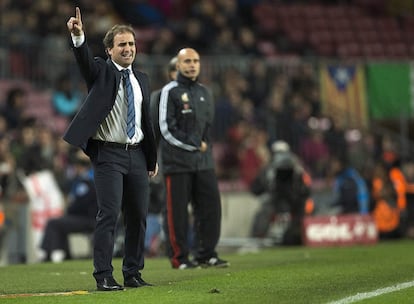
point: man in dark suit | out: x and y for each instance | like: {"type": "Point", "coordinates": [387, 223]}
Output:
{"type": "Point", "coordinates": [113, 127]}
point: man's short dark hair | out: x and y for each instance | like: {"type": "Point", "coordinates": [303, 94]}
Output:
{"type": "Point", "coordinates": [108, 40]}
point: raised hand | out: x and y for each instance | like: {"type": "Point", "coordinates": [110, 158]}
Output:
{"type": "Point", "coordinates": [75, 24]}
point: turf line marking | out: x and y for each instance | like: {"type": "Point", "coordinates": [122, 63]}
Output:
{"type": "Point", "coordinates": [373, 294]}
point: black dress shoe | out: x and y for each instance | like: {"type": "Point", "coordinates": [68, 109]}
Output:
{"type": "Point", "coordinates": [135, 282]}
{"type": "Point", "coordinates": [108, 284]}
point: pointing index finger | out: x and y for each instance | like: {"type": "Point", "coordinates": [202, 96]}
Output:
{"type": "Point", "coordinates": [78, 14]}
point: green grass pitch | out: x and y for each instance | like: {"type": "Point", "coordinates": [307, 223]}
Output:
{"type": "Point", "coordinates": [276, 275]}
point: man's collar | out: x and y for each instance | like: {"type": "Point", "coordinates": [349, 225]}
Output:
{"type": "Point", "coordinates": [185, 80]}
{"type": "Point", "coordinates": [120, 68]}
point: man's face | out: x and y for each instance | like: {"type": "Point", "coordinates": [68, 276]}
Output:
{"type": "Point", "coordinates": [188, 63]}
{"type": "Point", "coordinates": [124, 49]}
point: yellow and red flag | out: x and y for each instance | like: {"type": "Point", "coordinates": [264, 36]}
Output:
{"type": "Point", "coordinates": [343, 95]}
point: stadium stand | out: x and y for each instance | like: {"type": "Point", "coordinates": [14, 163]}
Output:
{"type": "Point", "coordinates": [326, 28]}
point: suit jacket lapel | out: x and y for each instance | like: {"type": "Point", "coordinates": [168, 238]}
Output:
{"type": "Point", "coordinates": [143, 85]}
{"type": "Point", "coordinates": [116, 72]}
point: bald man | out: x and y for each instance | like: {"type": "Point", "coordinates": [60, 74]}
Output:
{"type": "Point", "coordinates": [186, 113]}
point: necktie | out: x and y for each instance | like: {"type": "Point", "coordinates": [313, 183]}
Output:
{"type": "Point", "coordinates": [129, 93]}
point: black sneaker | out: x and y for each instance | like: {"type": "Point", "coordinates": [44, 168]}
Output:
{"type": "Point", "coordinates": [214, 262]}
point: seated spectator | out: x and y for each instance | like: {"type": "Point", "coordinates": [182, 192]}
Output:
{"type": "Point", "coordinates": [351, 194]}
{"type": "Point", "coordinates": [387, 216]}
{"type": "Point", "coordinates": [13, 107]}
{"type": "Point", "coordinates": [392, 163]}
{"type": "Point", "coordinates": [27, 149]}
{"type": "Point", "coordinates": [65, 99]}
{"type": "Point", "coordinates": [253, 155]}
{"type": "Point", "coordinates": [315, 153]}
{"type": "Point", "coordinates": [78, 218]}
{"type": "Point", "coordinates": [400, 184]}
{"type": "Point", "coordinates": [334, 136]}
{"type": "Point", "coordinates": [408, 169]}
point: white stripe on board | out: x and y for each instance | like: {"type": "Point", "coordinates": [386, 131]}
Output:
{"type": "Point", "coordinates": [373, 294]}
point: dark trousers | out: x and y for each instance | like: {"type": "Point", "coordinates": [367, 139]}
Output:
{"type": "Point", "coordinates": [122, 183]}
{"type": "Point", "coordinates": [58, 229]}
{"type": "Point", "coordinates": [201, 189]}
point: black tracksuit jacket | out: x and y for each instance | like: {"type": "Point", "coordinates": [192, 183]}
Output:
{"type": "Point", "coordinates": [186, 113]}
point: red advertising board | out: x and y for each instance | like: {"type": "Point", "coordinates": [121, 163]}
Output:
{"type": "Point", "coordinates": [339, 230]}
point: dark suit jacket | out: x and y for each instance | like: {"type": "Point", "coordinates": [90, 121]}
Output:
{"type": "Point", "coordinates": [154, 112]}
{"type": "Point", "coordinates": [103, 79]}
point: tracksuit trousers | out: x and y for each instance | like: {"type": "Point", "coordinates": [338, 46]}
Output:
{"type": "Point", "coordinates": [200, 189]}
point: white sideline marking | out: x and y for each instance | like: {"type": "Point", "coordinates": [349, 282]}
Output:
{"type": "Point", "coordinates": [375, 293]}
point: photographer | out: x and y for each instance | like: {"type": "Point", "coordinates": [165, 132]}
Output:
{"type": "Point", "coordinates": [284, 188]}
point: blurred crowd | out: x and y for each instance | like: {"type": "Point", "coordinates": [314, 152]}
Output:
{"type": "Point", "coordinates": [256, 104]}
{"type": "Point", "coordinates": [221, 27]}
